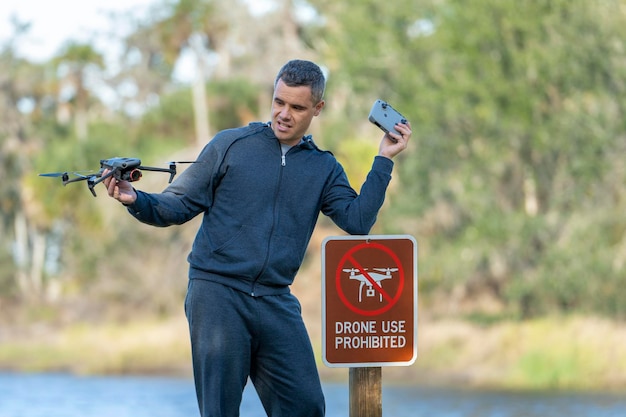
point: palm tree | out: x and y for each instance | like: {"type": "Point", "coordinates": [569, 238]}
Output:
{"type": "Point", "coordinates": [74, 65]}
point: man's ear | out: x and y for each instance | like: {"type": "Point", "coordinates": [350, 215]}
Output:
{"type": "Point", "coordinates": [318, 107]}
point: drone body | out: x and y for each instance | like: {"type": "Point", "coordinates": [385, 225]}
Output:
{"type": "Point", "coordinates": [126, 169]}
{"type": "Point", "coordinates": [122, 169]}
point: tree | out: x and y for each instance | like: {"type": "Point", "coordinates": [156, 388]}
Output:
{"type": "Point", "coordinates": [21, 86]}
{"type": "Point", "coordinates": [152, 51]}
{"type": "Point", "coordinates": [75, 65]}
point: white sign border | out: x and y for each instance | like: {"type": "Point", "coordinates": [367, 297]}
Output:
{"type": "Point", "coordinates": [415, 304]}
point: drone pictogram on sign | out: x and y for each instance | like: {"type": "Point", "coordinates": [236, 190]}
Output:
{"type": "Point", "coordinates": [370, 279]}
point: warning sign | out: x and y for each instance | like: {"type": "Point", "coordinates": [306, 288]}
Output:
{"type": "Point", "coordinates": [369, 296]}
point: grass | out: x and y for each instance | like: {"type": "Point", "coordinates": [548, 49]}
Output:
{"type": "Point", "coordinates": [572, 353]}
{"type": "Point", "coordinates": [140, 347]}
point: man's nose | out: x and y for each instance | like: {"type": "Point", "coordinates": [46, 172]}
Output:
{"type": "Point", "coordinates": [285, 113]}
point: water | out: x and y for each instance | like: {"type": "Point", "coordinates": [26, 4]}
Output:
{"type": "Point", "coordinates": [62, 395]}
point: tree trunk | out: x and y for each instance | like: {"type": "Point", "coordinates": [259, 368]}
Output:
{"type": "Point", "coordinates": [200, 106]}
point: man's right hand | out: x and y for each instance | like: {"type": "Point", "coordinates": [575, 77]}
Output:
{"type": "Point", "coordinates": [122, 191]}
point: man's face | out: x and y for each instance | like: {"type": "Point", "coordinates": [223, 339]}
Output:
{"type": "Point", "coordinates": [292, 112]}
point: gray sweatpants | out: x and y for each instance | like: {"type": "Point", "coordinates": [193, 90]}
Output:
{"type": "Point", "coordinates": [235, 336]}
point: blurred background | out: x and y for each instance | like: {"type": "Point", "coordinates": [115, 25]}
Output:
{"type": "Point", "coordinates": [514, 184]}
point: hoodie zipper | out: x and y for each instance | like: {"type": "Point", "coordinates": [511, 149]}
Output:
{"type": "Point", "coordinates": [283, 162]}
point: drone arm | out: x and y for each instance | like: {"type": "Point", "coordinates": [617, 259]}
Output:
{"type": "Point", "coordinates": [75, 180]}
{"type": "Point", "coordinates": [103, 177]}
{"type": "Point", "coordinates": [155, 169]}
{"type": "Point", "coordinates": [91, 183]}
{"type": "Point", "coordinates": [171, 170]}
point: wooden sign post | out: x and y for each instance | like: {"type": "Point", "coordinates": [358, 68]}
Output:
{"type": "Point", "coordinates": [366, 392]}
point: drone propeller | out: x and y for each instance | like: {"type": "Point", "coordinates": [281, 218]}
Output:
{"type": "Point", "coordinates": [65, 176]}
{"type": "Point", "coordinates": [388, 270]}
{"type": "Point", "coordinates": [54, 174]}
{"type": "Point", "coordinates": [60, 174]}
{"type": "Point", "coordinates": [353, 270]}
{"type": "Point", "coordinates": [173, 167]}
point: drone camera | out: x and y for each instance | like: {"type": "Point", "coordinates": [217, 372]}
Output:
{"type": "Point", "coordinates": [132, 175]}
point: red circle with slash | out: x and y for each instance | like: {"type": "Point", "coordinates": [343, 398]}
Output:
{"type": "Point", "coordinates": [349, 257]}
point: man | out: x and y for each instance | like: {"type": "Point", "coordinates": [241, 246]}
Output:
{"type": "Point", "coordinates": [261, 188]}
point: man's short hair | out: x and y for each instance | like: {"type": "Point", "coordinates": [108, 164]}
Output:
{"type": "Point", "coordinates": [298, 72]}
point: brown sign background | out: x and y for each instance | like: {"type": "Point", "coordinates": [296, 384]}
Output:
{"type": "Point", "coordinates": [369, 300]}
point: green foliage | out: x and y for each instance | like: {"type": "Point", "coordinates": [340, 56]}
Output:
{"type": "Point", "coordinates": [577, 274]}
{"type": "Point", "coordinates": [80, 54]}
{"type": "Point", "coordinates": [357, 155]}
{"type": "Point", "coordinates": [169, 123]}
{"type": "Point", "coordinates": [513, 183]}
{"type": "Point", "coordinates": [518, 114]}
{"type": "Point", "coordinates": [232, 103]}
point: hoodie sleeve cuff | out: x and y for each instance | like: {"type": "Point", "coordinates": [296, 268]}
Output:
{"type": "Point", "coordinates": [138, 205]}
{"type": "Point", "coordinates": [382, 163]}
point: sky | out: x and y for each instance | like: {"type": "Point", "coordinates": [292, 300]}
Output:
{"type": "Point", "coordinates": [55, 22]}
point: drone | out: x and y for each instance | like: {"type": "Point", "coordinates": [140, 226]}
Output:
{"type": "Point", "coordinates": [369, 280]}
{"type": "Point", "coordinates": [122, 169]}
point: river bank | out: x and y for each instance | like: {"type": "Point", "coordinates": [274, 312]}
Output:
{"type": "Point", "coordinates": [567, 353]}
